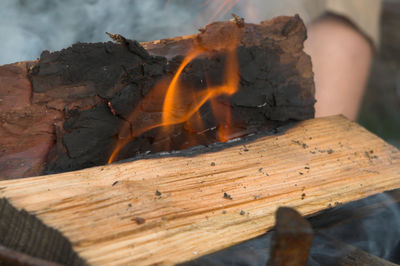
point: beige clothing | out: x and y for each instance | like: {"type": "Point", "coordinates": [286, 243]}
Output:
{"type": "Point", "coordinates": [364, 14]}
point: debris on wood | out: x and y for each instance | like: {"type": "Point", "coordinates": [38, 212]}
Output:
{"type": "Point", "coordinates": [139, 220]}
{"type": "Point", "coordinates": [227, 196]}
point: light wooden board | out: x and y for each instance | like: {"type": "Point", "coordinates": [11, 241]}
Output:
{"type": "Point", "coordinates": [317, 163]}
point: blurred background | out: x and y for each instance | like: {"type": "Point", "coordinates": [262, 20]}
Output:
{"type": "Point", "coordinates": [29, 27]}
{"type": "Point", "coordinates": [380, 110]}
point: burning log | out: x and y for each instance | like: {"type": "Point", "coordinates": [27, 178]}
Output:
{"type": "Point", "coordinates": [172, 209]}
{"type": "Point", "coordinates": [91, 102]}
{"type": "Point", "coordinates": [26, 128]}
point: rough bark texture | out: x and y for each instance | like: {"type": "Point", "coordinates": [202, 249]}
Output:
{"type": "Point", "coordinates": [88, 92]}
{"type": "Point", "coordinates": [26, 128]}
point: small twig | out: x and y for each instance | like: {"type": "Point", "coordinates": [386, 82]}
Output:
{"type": "Point", "coordinates": [238, 20]}
{"type": "Point", "coordinates": [117, 38]}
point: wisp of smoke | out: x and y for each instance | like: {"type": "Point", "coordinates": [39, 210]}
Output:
{"type": "Point", "coordinates": [29, 27]}
{"type": "Point", "coordinates": [377, 233]}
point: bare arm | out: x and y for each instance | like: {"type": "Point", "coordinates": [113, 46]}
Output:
{"type": "Point", "coordinates": [341, 58]}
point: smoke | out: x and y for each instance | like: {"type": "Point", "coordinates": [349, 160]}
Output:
{"type": "Point", "coordinates": [377, 234]}
{"type": "Point", "coordinates": [29, 27]}
{"type": "Point", "coordinates": [375, 229]}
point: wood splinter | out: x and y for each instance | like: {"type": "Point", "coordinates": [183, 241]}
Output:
{"type": "Point", "coordinates": [117, 38]}
{"type": "Point", "coordinates": [238, 20]}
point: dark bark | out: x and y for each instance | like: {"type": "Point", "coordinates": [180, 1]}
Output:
{"type": "Point", "coordinates": [94, 88]}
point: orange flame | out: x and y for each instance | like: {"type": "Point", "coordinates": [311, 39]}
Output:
{"type": "Point", "coordinates": [175, 109]}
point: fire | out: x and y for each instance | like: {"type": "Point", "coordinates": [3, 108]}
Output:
{"type": "Point", "coordinates": [175, 107]}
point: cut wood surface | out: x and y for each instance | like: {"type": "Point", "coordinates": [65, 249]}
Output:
{"type": "Point", "coordinates": [173, 209]}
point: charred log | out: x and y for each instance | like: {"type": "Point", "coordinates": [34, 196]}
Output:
{"type": "Point", "coordinates": [93, 89]}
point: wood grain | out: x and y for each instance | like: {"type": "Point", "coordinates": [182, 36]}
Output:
{"type": "Point", "coordinates": [316, 164]}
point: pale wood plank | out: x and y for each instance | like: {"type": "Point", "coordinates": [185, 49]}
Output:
{"type": "Point", "coordinates": [316, 163]}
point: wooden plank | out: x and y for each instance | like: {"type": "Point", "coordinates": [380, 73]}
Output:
{"type": "Point", "coordinates": [313, 165]}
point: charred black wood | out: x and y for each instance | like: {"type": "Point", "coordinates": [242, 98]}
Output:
{"type": "Point", "coordinates": [101, 84]}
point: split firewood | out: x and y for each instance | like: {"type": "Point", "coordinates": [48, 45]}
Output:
{"type": "Point", "coordinates": [78, 102]}
{"type": "Point", "coordinates": [171, 209]}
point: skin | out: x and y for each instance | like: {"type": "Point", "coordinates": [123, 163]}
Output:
{"type": "Point", "coordinates": [341, 58]}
